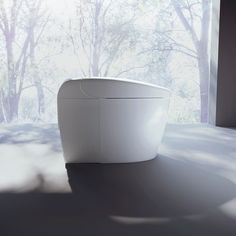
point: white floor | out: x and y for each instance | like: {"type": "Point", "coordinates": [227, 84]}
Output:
{"type": "Point", "coordinates": [211, 148]}
{"type": "Point", "coordinates": [31, 155]}
{"type": "Point", "coordinates": [189, 189]}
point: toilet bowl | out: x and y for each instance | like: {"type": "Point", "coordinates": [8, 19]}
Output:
{"type": "Point", "coordinates": [108, 120]}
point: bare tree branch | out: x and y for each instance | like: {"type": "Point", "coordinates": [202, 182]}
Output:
{"type": "Point", "coordinates": [186, 24]}
{"type": "Point", "coordinates": [130, 69]}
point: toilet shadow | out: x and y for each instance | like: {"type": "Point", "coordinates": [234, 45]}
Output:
{"type": "Point", "coordinates": [158, 197]}
{"type": "Point", "coordinates": [162, 187]}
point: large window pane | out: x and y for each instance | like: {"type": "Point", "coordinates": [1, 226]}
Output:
{"type": "Point", "coordinates": [44, 42]}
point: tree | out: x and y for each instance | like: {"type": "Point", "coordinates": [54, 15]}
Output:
{"type": "Point", "coordinates": [99, 35]}
{"type": "Point", "coordinates": [38, 21]}
{"type": "Point", "coordinates": [185, 10]}
{"type": "Point", "coordinates": [18, 21]}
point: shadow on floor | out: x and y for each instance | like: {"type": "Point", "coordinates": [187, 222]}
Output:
{"type": "Point", "coordinates": [158, 197]}
{"type": "Point", "coordinates": [162, 187]}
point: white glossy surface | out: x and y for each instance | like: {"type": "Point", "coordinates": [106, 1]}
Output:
{"type": "Point", "coordinates": [110, 88]}
{"type": "Point", "coordinates": [111, 130]}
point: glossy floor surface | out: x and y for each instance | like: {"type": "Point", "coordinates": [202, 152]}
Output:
{"type": "Point", "coordinates": [189, 189]}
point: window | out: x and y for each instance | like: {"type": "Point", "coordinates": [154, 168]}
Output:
{"type": "Point", "coordinates": [164, 42]}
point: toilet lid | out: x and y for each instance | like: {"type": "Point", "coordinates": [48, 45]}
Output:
{"type": "Point", "coordinates": [110, 88]}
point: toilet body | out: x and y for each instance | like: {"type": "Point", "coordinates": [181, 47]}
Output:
{"type": "Point", "coordinates": [106, 120]}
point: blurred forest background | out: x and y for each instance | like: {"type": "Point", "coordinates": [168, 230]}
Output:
{"type": "Point", "coordinates": [44, 42]}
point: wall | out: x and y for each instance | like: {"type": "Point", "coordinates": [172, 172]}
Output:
{"type": "Point", "coordinates": [226, 84]}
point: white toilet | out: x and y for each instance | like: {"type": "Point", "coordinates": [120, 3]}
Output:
{"type": "Point", "coordinates": [108, 120]}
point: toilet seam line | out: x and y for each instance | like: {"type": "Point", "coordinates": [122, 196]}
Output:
{"type": "Point", "coordinates": [114, 98]}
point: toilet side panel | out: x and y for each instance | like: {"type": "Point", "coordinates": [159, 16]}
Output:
{"type": "Point", "coordinates": [132, 129]}
{"type": "Point", "coordinates": [79, 128]}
